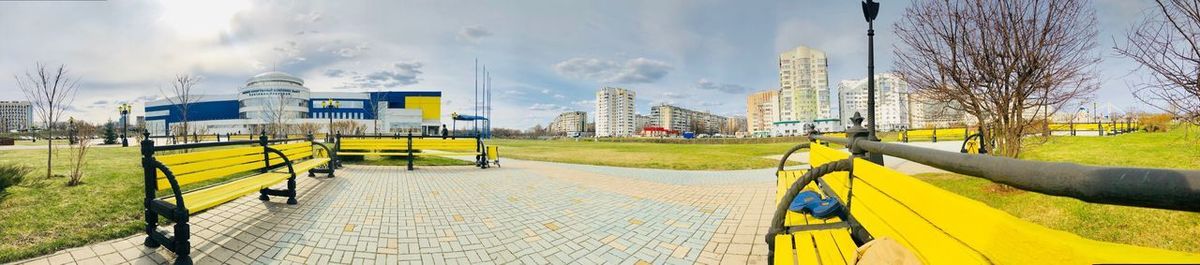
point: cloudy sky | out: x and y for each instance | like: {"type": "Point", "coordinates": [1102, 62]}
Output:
{"type": "Point", "coordinates": [545, 56]}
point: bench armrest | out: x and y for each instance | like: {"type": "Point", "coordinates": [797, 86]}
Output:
{"type": "Point", "coordinates": [174, 184]}
{"type": "Point", "coordinates": [332, 154]}
{"type": "Point", "coordinates": [285, 160]}
{"type": "Point", "coordinates": [783, 160]}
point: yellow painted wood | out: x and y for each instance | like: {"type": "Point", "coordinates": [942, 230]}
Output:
{"type": "Point", "coordinates": [827, 250]}
{"type": "Point", "coordinates": [209, 174]}
{"type": "Point", "coordinates": [806, 251]}
{"type": "Point", "coordinates": [493, 152]}
{"type": "Point", "coordinates": [182, 169]}
{"type": "Point", "coordinates": [304, 166]}
{"type": "Point", "coordinates": [785, 253]}
{"type": "Point", "coordinates": [841, 238]}
{"type": "Point", "coordinates": [207, 198]}
{"type": "Point", "coordinates": [1001, 237]}
{"type": "Point", "coordinates": [176, 159]}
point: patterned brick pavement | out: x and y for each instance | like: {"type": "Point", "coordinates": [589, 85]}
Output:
{"type": "Point", "coordinates": [526, 212]}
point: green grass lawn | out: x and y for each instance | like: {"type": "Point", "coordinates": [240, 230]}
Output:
{"type": "Point", "coordinates": [45, 216]}
{"type": "Point", "coordinates": [645, 155]}
{"type": "Point", "coordinates": [1165, 229]}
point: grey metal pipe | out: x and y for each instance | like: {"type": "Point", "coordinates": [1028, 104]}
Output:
{"type": "Point", "coordinates": [1141, 187]}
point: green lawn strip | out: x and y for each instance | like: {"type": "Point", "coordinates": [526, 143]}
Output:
{"type": "Point", "coordinates": [645, 155]}
{"type": "Point", "coordinates": [44, 215]}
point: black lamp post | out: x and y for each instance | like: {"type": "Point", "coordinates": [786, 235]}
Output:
{"type": "Point", "coordinates": [870, 11]}
{"type": "Point", "coordinates": [330, 105]}
{"type": "Point", "coordinates": [124, 108]}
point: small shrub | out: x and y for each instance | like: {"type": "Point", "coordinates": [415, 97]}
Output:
{"type": "Point", "coordinates": [12, 175]}
{"type": "Point", "coordinates": [1156, 122]}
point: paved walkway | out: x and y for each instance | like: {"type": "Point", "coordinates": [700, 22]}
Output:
{"type": "Point", "coordinates": [526, 212]}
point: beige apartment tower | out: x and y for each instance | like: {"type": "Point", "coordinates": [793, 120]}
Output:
{"type": "Point", "coordinates": [615, 112]}
{"type": "Point", "coordinates": [803, 85]}
{"type": "Point", "coordinates": [762, 111]}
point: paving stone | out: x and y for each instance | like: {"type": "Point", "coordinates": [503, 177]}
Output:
{"type": "Point", "coordinates": [528, 212]}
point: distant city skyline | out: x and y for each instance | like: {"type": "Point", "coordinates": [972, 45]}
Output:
{"type": "Point", "coordinates": [706, 56]}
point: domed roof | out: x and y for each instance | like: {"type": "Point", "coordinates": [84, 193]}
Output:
{"type": "Point", "coordinates": [275, 76]}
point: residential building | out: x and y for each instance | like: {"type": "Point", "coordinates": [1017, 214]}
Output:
{"type": "Point", "coordinates": [803, 85]}
{"type": "Point", "coordinates": [615, 112]}
{"type": "Point", "coordinates": [928, 113]}
{"type": "Point", "coordinates": [641, 122]}
{"type": "Point", "coordinates": [15, 115]}
{"type": "Point", "coordinates": [891, 101]}
{"type": "Point", "coordinates": [735, 125]}
{"type": "Point", "coordinates": [685, 120]}
{"type": "Point", "coordinates": [281, 98]}
{"type": "Point", "coordinates": [571, 122]}
{"type": "Point", "coordinates": [762, 111]}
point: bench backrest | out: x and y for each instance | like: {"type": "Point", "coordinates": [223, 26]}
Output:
{"type": "Point", "coordinates": [205, 165]}
{"type": "Point", "coordinates": [459, 144]}
{"type": "Point", "coordinates": [401, 144]}
{"type": "Point", "coordinates": [381, 144]}
{"type": "Point", "coordinates": [294, 151]}
{"type": "Point", "coordinates": [941, 227]}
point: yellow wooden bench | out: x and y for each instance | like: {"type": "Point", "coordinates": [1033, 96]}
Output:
{"type": "Point", "coordinates": [266, 163]}
{"type": "Point", "coordinates": [412, 146]}
{"type": "Point", "coordinates": [933, 134]}
{"type": "Point", "coordinates": [936, 226]}
{"type": "Point", "coordinates": [493, 154]}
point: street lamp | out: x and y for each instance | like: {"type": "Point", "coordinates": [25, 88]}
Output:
{"type": "Point", "coordinates": [124, 108]}
{"type": "Point", "coordinates": [870, 11]}
{"type": "Point", "coordinates": [330, 105]}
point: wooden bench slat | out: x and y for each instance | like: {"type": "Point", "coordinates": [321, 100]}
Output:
{"type": "Point", "coordinates": [210, 174]}
{"type": "Point", "coordinates": [189, 168]}
{"type": "Point", "coordinates": [1001, 237]}
{"type": "Point", "coordinates": [829, 251]}
{"type": "Point", "coordinates": [785, 253]}
{"type": "Point", "coordinates": [304, 166]}
{"type": "Point", "coordinates": [176, 159]}
{"type": "Point", "coordinates": [207, 198]}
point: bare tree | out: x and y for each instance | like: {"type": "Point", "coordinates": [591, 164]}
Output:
{"type": "Point", "coordinates": [1004, 62]}
{"type": "Point", "coordinates": [182, 95]}
{"type": "Point", "coordinates": [51, 92]}
{"type": "Point", "coordinates": [373, 107]}
{"type": "Point", "coordinates": [276, 115]}
{"type": "Point", "coordinates": [86, 132]}
{"type": "Point", "coordinates": [1167, 44]}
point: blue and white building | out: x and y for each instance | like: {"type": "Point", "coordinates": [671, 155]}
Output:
{"type": "Point", "coordinates": [277, 97]}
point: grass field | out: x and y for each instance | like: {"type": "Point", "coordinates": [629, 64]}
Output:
{"type": "Point", "coordinates": [1166, 229]}
{"type": "Point", "coordinates": [646, 155]}
{"type": "Point", "coordinates": [45, 216]}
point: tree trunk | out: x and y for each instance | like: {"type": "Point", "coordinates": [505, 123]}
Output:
{"type": "Point", "coordinates": [49, 150]}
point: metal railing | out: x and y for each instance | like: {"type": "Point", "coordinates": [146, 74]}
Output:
{"type": "Point", "coordinates": [1172, 189]}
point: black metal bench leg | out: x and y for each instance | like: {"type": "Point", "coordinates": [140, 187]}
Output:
{"type": "Point", "coordinates": [151, 224]}
{"type": "Point", "coordinates": [262, 195]}
{"type": "Point", "coordinates": [183, 247]}
{"type": "Point", "coordinates": [291, 185]}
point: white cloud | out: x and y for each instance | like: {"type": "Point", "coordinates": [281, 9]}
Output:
{"type": "Point", "coordinates": [727, 88]}
{"type": "Point", "coordinates": [632, 71]}
{"type": "Point", "coordinates": [401, 74]}
{"type": "Point", "coordinates": [473, 34]}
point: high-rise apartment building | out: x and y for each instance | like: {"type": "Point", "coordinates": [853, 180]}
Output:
{"type": "Point", "coordinates": [803, 85]}
{"type": "Point", "coordinates": [640, 122]}
{"type": "Point", "coordinates": [15, 115]}
{"type": "Point", "coordinates": [762, 111]}
{"type": "Point", "coordinates": [615, 112]}
{"type": "Point", "coordinates": [734, 126]}
{"type": "Point", "coordinates": [569, 122]}
{"type": "Point", "coordinates": [686, 120]}
{"type": "Point", "coordinates": [891, 101]}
